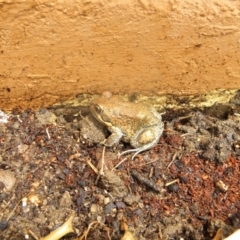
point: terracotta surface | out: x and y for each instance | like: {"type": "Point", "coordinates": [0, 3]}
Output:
{"type": "Point", "coordinates": [53, 50]}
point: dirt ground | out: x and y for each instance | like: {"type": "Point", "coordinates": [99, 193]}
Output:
{"type": "Point", "coordinates": [52, 167]}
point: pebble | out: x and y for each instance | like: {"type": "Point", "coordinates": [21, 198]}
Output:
{"type": "Point", "coordinates": [109, 207]}
{"type": "Point", "coordinates": [95, 208]}
{"type": "Point", "coordinates": [3, 225]}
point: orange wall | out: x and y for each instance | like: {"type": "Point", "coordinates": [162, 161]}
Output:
{"type": "Point", "coordinates": [53, 50]}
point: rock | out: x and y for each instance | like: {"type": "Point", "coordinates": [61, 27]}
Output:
{"type": "Point", "coordinates": [130, 199]}
{"type": "Point", "coordinates": [8, 179]}
{"type": "Point", "coordinates": [95, 208]}
{"type": "Point", "coordinates": [46, 117]}
{"type": "Point", "coordinates": [113, 183]}
{"type": "Point", "coordinates": [109, 207]}
{"type": "Point", "coordinates": [92, 130]}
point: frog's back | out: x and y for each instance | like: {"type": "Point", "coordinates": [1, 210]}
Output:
{"type": "Point", "coordinates": [131, 117]}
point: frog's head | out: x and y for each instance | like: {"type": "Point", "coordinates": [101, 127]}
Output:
{"type": "Point", "coordinates": [100, 111]}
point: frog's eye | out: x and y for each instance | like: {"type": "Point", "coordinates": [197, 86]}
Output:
{"type": "Point", "coordinates": [97, 109]}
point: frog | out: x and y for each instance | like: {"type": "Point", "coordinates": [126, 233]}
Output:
{"type": "Point", "coordinates": [132, 122]}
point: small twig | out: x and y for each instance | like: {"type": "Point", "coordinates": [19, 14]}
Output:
{"type": "Point", "coordinates": [102, 161]}
{"type": "Point", "coordinates": [92, 166]}
{"type": "Point", "coordinates": [185, 134]}
{"type": "Point", "coordinates": [19, 119]}
{"type": "Point", "coordinates": [185, 117]}
{"type": "Point", "coordinates": [151, 172]}
{"type": "Point", "coordinates": [48, 135]}
{"type": "Point", "coordinates": [84, 236]}
{"type": "Point", "coordinates": [129, 189]}
{"type": "Point", "coordinates": [10, 214]}
{"type": "Point", "coordinates": [109, 194]}
{"type": "Point", "coordinates": [101, 172]}
{"type": "Point", "coordinates": [60, 126]}
{"type": "Point", "coordinates": [119, 164]}
{"type": "Point", "coordinates": [237, 114]}
{"type": "Point", "coordinates": [173, 159]}
{"type": "Point", "coordinates": [61, 231]}
{"type": "Point", "coordinates": [83, 118]}
{"type": "Point", "coordinates": [170, 183]}
{"type": "Point", "coordinates": [7, 203]}
{"type": "Point", "coordinates": [74, 156]}
{"type": "Point", "coordinates": [32, 234]}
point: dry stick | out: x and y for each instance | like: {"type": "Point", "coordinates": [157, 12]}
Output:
{"type": "Point", "coordinates": [185, 117]}
{"type": "Point", "coordinates": [92, 166]}
{"type": "Point", "coordinates": [151, 172]}
{"type": "Point", "coordinates": [101, 172]}
{"type": "Point", "coordinates": [84, 236]}
{"type": "Point", "coordinates": [173, 159]}
{"type": "Point", "coordinates": [119, 163]}
{"type": "Point", "coordinates": [48, 135]}
{"type": "Point", "coordinates": [7, 203]}
{"type": "Point", "coordinates": [10, 214]}
{"type": "Point", "coordinates": [20, 120]}
{"type": "Point", "coordinates": [185, 134]}
{"type": "Point", "coordinates": [61, 231]}
{"type": "Point", "coordinates": [102, 161]}
{"type": "Point", "coordinates": [32, 234]}
{"type": "Point", "coordinates": [170, 183]}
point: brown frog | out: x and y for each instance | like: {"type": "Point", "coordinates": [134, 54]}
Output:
{"type": "Point", "coordinates": [139, 124]}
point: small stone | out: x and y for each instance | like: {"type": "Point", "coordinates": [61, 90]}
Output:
{"type": "Point", "coordinates": [66, 200]}
{"type": "Point", "coordinates": [131, 199]}
{"type": "Point", "coordinates": [106, 200]}
{"type": "Point", "coordinates": [95, 208]}
{"type": "Point", "coordinates": [45, 117]}
{"type": "Point", "coordinates": [120, 205]}
{"type": "Point", "coordinates": [16, 125]}
{"type": "Point", "coordinates": [141, 205]}
{"type": "Point", "coordinates": [3, 225]}
{"type": "Point", "coordinates": [22, 148]}
{"type": "Point", "coordinates": [8, 179]}
{"type": "Point", "coordinates": [209, 154]}
{"type": "Point", "coordinates": [173, 187]}
{"type": "Point", "coordinates": [109, 207]}
{"type": "Point", "coordinates": [3, 117]}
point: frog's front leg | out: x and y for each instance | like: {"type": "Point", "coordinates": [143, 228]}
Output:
{"type": "Point", "coordinates": [145, 139]}
{"type": "Point", "coordinates": [114, 138]}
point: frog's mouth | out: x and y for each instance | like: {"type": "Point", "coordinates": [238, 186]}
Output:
{"type": "Point", "coordinates": [104, 122]}
{"type": "Point", "coordinates": [97, 113]}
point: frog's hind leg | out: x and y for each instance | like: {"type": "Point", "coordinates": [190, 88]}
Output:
{"type": "Point", "coordinates": [128, 151]}
{"type": "Point", "coordinates": [137, 150]}
{"type": "Point", "coordinates": [140, 149]}
{"type": "Point", "coordinates": [144, 139]}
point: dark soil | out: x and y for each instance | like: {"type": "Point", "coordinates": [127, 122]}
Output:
{"type": "Point", "coordinates": [187, 187]}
